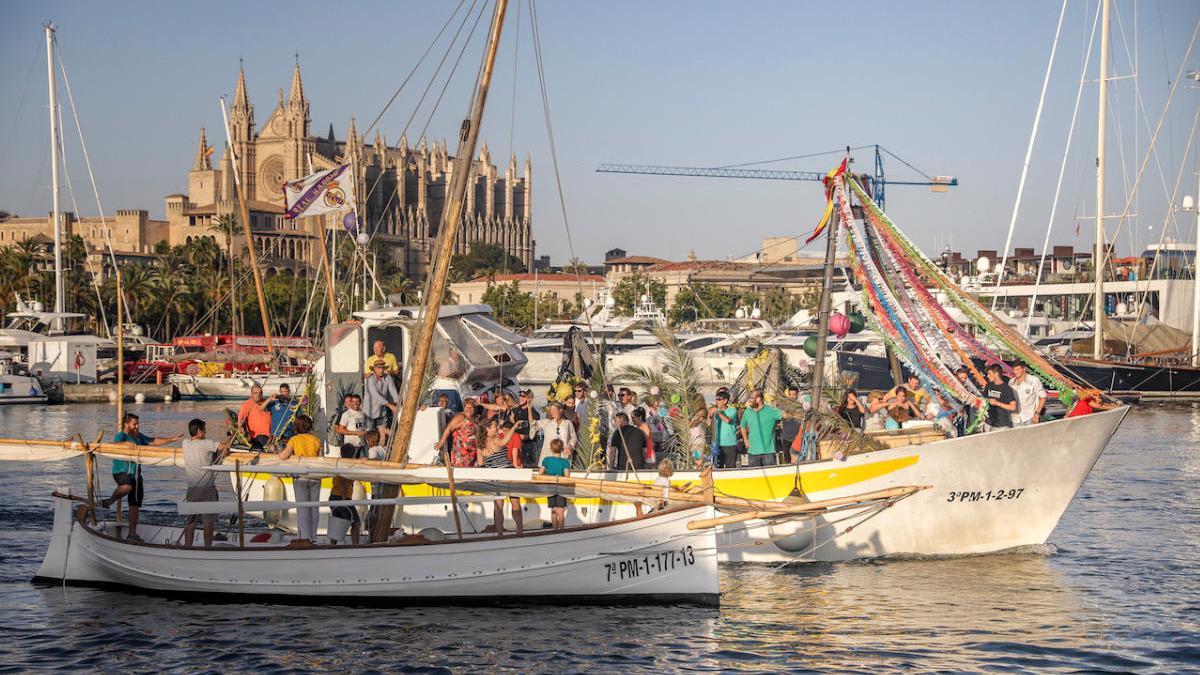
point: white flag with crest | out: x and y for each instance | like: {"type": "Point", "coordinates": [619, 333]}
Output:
{"type": "Point", "coordinates": [323, 192]}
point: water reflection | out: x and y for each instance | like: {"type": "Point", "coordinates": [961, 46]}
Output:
{"type": "Point", "coordinates": [1116, 590]}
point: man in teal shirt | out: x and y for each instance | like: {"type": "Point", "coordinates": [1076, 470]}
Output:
{"type": "Point", "coordinates": [127, 473]}
{"type": "Point", "coordinates": [758, 430]}
{"type": "Point", "coordinates": [724, 419]}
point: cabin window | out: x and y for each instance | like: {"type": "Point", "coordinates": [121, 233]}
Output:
{"type": "Point", "coordinates": [393, 340]}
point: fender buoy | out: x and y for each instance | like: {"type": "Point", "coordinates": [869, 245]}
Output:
{"type": "Point", "coordinates": [273, 492]}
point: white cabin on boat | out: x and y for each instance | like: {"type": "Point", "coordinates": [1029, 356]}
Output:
{"type": "Point", "coordinates": [471, 354]}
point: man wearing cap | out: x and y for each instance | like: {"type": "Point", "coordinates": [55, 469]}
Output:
{"type": "Point", "coordinates": [724, 420]}
{"type": "Point", "coordinates": [525, 419]}
{"type": "Point", "coordinates": [379, 351]}
{"type": "Point", "coordinates": [380, 397]}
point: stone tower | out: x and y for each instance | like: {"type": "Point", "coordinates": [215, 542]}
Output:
{"type": "Point", "coordinates": [241, 128]}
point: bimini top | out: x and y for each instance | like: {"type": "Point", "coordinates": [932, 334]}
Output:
{"type": "Point", "coordinates": [414, 311]}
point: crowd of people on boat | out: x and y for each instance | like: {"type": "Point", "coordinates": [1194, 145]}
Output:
{"type": "Point", "coordinates": [504, 430]}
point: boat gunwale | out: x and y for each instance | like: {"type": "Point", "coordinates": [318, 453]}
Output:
{"type": "Point", "coordinates": [79, 517]}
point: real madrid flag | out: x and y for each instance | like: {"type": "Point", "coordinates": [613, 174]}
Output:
{"type": "Point", "coordinates": [323, 192]}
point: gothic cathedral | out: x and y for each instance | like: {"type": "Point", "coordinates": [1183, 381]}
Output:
{"type": "Point", "coordinates": [401, 190]}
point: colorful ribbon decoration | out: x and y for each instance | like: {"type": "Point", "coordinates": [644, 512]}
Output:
{"type": "Point", "coordinates": [896, 279]}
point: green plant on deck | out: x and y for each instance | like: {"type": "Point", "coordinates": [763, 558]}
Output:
{"type": "Point", "coordinates": [239, 434]}
{"type": "Point", "coordinates": [678, 381]}
{"type": "Point", "coordinates": [829, 426]}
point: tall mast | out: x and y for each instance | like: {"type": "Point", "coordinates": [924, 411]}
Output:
{"type": "Point", "coordinates": [1196, 275]}
{"type": "Point", "coordinates": [1101, 134]}
{"type": "Point", "coordinates": [451, 218]}
{"type": "Point", "coordinates": [245, 210]}
{"type": "Point", "coordinates": [818, 372]}
{"type": "Point", "coordinates": [54, 153]}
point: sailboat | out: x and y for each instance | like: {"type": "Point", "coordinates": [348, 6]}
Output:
{"type": "Point", "coordinates": [643, 559]}
{"type": "Point", "coordinates": [1147, 375]}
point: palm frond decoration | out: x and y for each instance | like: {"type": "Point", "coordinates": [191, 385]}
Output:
{"type": "Point", "coordinates": [828, 426]}
{"type": "Point", "coordinates": [678, 381]}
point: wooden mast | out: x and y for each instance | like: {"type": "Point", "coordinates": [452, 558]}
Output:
{"type": "Point", "coordinates": [447, 232]}
{"type": "Point", "coordinates": [818, 372]}
{"type": "Point", "coordinates": [245, 216]}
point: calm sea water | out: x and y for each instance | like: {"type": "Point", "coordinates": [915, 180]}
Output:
{"type": "Point", "coordinates": [1115, 590]}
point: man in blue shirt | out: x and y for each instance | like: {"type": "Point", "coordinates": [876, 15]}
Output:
{"type": "Point", "coordinates": [128, 473]}
{"type": "Point", "coordinates": [283, 413]}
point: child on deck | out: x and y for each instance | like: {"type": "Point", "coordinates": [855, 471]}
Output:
{"type": "Point", "coordinates": [665, 471]}
{"type": "Point", "coordinates": [375, 451]}
{"type": "Point", "coordinates": [557, 465]}
{"type": "Point", "coordinates": [342, 517]}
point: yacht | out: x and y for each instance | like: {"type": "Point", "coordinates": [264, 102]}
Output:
{"type": "Point", "coordinates": [600, 328]}
{"type": "Point", "coordinates": [16, 384]}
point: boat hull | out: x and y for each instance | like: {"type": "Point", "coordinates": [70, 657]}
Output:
{"type": "Point", "coordinates": [643, 560]}
{"type": "Point", "coordinates": [21, 389]}
{"type": "Point", "coordinates": [1147, 381]}
{"type": "Point", "coordinates": [235, 387]}
{"type": "Point", "coordinates": [987, 492]}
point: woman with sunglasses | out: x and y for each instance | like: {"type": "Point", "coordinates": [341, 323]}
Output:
{"type": "Point", "coordinates": [494, 455]}
{"type": "Point", "coordinates": [462, 428]}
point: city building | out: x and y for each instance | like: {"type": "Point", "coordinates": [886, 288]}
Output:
{"type": "Point", "coordinates": [401, 190]}
{"type": "Point", "coordinates": [130, 230]}
{"type": "Point", "coordinates": [563, 287]}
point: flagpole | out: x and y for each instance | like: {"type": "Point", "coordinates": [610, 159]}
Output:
{"type": "Point", "coordinates": [333, 312]}
{"type": "Point", "coordinates": [241, 192]}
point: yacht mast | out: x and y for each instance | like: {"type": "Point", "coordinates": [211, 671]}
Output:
{"type": "Point", "coordinates": [1196, 274]}
{"type": "Point", "coordinates": [1098, 261]}
{"type": "Point", "coordinates": [54, 154]}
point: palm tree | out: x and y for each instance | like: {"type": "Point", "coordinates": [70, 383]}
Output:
{"type": "Point", "coordinates": [225, 225]}
{"type": "Point", "coordinates": [138, 286]}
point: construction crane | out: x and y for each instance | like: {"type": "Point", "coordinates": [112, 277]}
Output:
{"type": "Point", "coordinates": [878, 182]}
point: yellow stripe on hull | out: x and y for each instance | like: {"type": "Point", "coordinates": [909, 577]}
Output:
{"type": "Point", "coordinates": [778, 486]}
{"type": "Point", "coordinates": [766, 484]}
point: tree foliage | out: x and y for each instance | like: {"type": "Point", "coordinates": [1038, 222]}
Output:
{"type": "Point", "coordinates": [484, 260]}
{"type": "Point", "coordinates": [708, 301]}
{"type": "Point", "coordinates": [631, 288]}
{"type": "Point", "coordinates": [515, 308]}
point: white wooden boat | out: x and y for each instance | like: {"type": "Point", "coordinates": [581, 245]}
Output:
{"type": "Point", "coordinates": [651, 559]}
{"type": "Point", "coordinates": [235, 386]}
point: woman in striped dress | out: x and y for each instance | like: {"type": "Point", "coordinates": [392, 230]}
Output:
{"type": "Point", "coordinates": [494, 455]}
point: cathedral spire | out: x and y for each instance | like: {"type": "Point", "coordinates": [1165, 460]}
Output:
{"type": "Point", "coordinates": [202, 163]}
{"type": "Point", "coordinates": [296, 95]}
{"type": "Point", "coordinates": [241, 99]}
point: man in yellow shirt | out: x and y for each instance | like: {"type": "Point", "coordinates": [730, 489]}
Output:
{"type": "Point", "coordinates": [379, 352]}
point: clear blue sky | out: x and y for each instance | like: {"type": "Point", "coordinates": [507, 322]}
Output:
{"type": "Point", "coordinates": [950, 87]}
